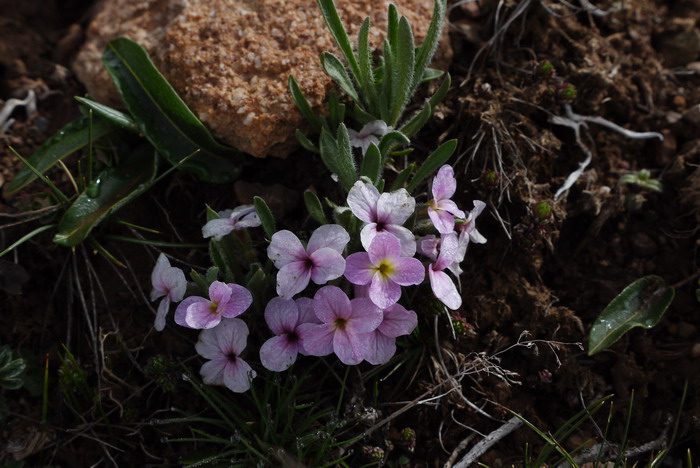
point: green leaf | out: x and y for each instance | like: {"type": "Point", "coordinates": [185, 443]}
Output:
{"type": "Point", "coordinates": [427, 49]}
{"type": "Point", "coordinates": [431, 74]}
{"type": "Point", "coordinates": [330, 15]}
{"type": "Point", "coordinates": [305, 142]}
{"type": "Point", "coordinates": [65, 142]}
{"type": "Point", "coordinates": [392, 26]}
{"type": "Point", "coordinates": [117, 185]}
{"type": "Point", "coordinates": [314, 207]}
{"type": "Point", "coordinates": [641, 304]}
{"type": "Point", "coordinates": [114, 116]}
{"type": "Point", "coordinates": [402, 79]}
{"type": "Point", "coordinates": [364, 54]}
{"type": "Point", "coordinates": [391, 140]}
{"type": "Point", "coordinates": [335, 69]}
{"type": "Point", "coordinates": [11, 370]}
{"type": "Point", "coordinates": [401, 179]}
{"type": "Point", "coordinates": [372, 164]}
{"type": "Point", "coordinates": [433, 163]}
{"type": "Point", "coordinates": [303, 104]}
{"type": "Point", "coordinates": [347, 172]}
{"type": "Point", "coordinates": [164, 118]}
{"type": "Point", "coordinates": [420, 118]}
{"type": "Point", "coordinates": [265, 215]}
{"type": "Point", "coordinates": [336, 110]}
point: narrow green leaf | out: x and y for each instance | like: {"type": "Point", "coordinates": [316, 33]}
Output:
{"type": "Point", "coordinates": [164, 118]}
{"type": "Point", "coordinates": [430, 74]}
{"type": "Point", "coordinates": [433, 163]}
{"type": "Point", "coordinates": [441, 91]}
{"type": "Point", "coordinates": [314, 207]}
{"type": "Point", "coordinates": [403, 70]}
{"type": "Point", "coordinates": [417, 121]}
{"type": "Point", "coordinates": [65, 142]}
{"type": "Point", "coordinates": [372, 164]}
{"type": "Point", "coordinates": [364, 54]}
{"type": "Point", "coordinates": [265, 215]}
{"type": "Point", "coordinates": [305, 142]}
{"type": "Point", "coordinates": [392, 27]}
{"type": "Point", "coordinates": [427, 49]}
{"type": "Point", "coordinates": [347, 172]}
{"type": "Point", "coordinates": [387, 86]}
{"type": "Point", "coordinates": [336, 70]}
{"type": "Point", "coordinates": [26, 237]}
{"type": "Point", "coordinates": [641, 304]}
{"type": "Point", "coordinates": [117, 186]}
{"type": "Point", "coordinates": [303, 104]}
{"type": "Point", "coordinates": [329, 151]}
{"type": "Point", "coordinates": [56, 191]}
{"type": "Point", "coordinates": [401, 179]}
{"type": "Point", "coordinates": [330, 15]}
{"type": "Point", "coordinates": [113, 116]}
{"type": "Point", "coordinates": [391, 140]}
{"type": "Point", "coordinates": [336, 110]}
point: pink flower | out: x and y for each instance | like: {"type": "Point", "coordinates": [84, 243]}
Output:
{"type": "Point", "coordinates": [321, 261]}
{"type": "Point", "coordinates": [225, 301]}
{"type": "Point", "coordinates": [170, 284]}
{"type": "Point", "coordinates": [441, 209]}
{"type": "Point", "coordinates": [239, 218]}
{"type": "Point", "coordinates": [370, 133]}
{"type": "Point", "coordinates": [291, 322]}
{"type": "Point", "coordinates": [467, 233]}
{"type": "Point", "coordinates": [443, 287]}
{"type": "Point", "coordinates": [346, 325]}
{"type": "Point", "coordinates": [223, 346]}
{"type": "Point", "coordinates": [383, 213]}
{"type": "Point", "coordinates": [383, 267]}
{"type": "Point", "coordinates": [397, 321]}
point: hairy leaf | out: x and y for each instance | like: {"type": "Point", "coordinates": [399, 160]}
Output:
{"type": "Point", "coordinates": [372, 164]}
{"type": "Point", "coordinates": [314, 207]}
{"type": "Point", "coordinates": [265, 215]}
{"type": "Point", "coordinates": [433, 162]}
{"type": "Point", "coordinates": [336, 70]}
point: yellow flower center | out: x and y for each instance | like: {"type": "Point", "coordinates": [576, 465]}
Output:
{"type": "Point", "coordinates": [214, 306]}
{"type": "Point", "coordinates": [384, 268]}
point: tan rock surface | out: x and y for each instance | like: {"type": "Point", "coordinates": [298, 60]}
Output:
{"type": "Point", "coordinates": [230, 59]}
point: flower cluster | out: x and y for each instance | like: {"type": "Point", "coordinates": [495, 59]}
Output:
{"type": "Point", "coordinates": [360, 315]}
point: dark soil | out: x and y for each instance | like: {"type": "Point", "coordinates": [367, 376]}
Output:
{"type": "Point", "coordinates": [542, 281]}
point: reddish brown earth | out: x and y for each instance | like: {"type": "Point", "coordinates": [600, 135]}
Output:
{"type": "Point", "coordinates": [549, 278]}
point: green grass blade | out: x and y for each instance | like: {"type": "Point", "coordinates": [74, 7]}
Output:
{"type": "Point", "coordinates": [26, 237]}
{"type": "Point", "coordinates": [114, 116]}
{"type": "Point", "coordinates": [38, 175]}
{"type": "Point", "coordinates": [68, 140]}
{"type": "Point", "coordinates": [433, 162]}
{"type": "Point", "coordinates": [164, 118]}
{"type": "Point", "coordinates": [117, 186]}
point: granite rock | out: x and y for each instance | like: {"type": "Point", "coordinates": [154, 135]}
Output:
{"type": "Point", "coordinates": [230, 59]}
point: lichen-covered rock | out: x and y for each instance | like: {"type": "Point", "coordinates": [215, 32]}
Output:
{"type": "Point", "coordinates": [230, 59]}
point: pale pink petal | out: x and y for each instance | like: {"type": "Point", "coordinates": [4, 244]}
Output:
{"type": "Point", "coordinates": [407, 271]}
{"type": "Point", "coordinates": [328, 235]}
{"type": "Point", "coordinates": [444, 183]}
{"type": "Point", "coordinates": [405, 237]}
{"type": "Point", "coordinates": [478, 208]}
{"type": "Point", "coordinates": [398, 321]}
{"type": "Point", "coordinates": [174, 278]}
{"type": "Point", "coordinates": [217, 228]}
{"type": "Point", "coordinates": [232, 335]}
{"type": "Point", "coordinates": [384, 292]}
{"type": "Point", "coordinates": [159, 288]}
{"type": "Point", "coordinates": [181, 311]}
{"type": "Point", "coordinates": [239, 302]}
{"type": "Point", "coordinates": [384, 246]}
{"type": "Point", "coordinates": [212, 372]}
{"type": "Point", "coordinates": [278, 353]}
{"type": "Point", "coordinates": [330, 303]}
{"type": "Point", "coordinates": [362, 200]}
{"type": "Point", "coordinates": [207, 345]}
{"type": "Point", "coordinates": [444, 289]}
{"type": "Point", "coordinates": [428, 246]}
{"type": "Point", "coordinates": [292, 279]}
{"type": "Point", "coordinates": [449, 251]}
{"type": "Point", "coordinates": [328, 265]}
{"type": "Point", "coordinates": [359, 269]}
{"type": "Point", "coordinates": [476, 237]}
{"type": "Point", "coordinates": [395, 207]}
{"type": "Point", "coordinates": [375, 127]}
{"type": "Point", "coordinates": [450, 207]}
{"type": "Point", "coordinates": [318, 339]}
{"type": "Point", "coordinates": [163, 307]}
{"type": "Point", "coordinates": [281, 315]}
{"type": "Point", "coordinates": [367, 235]}
{"type": "Point", "coordinates": [305, 330]}
{"type": "Point", "coordinates": [349, 348]}
{"type": "Point", "coordinates": [237, 375]}
{"type": "Point", "coordinates": [443, 221]}
{"type": "Point", "coordinates": [200, 315]}
{"type": "Point", "coordinates": [219, 292]}
{"type": "Point", "coordinates": [366, 316]}
{"type": "Point", "coordinates": [306, 310]}
{"type": "Point", "coordinates": [362, 290]}
{"type": "Point", "coordinates": [285, 248]}
{"type": "Point", "coordinates": [380, 348]}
